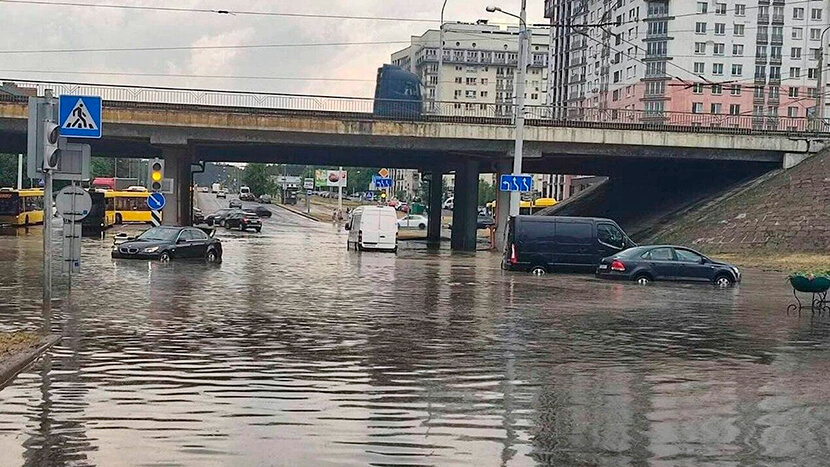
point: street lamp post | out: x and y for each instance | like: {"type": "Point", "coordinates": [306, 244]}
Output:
{"type": "Point", "coordinates": [515, 196]}
{"type": "Point", "coordinates": [437, 99]}
{"type": "Point", "coordinates": [821, 84]}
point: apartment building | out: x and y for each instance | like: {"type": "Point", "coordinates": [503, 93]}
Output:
{"type": "Point", "coordinates": [479, 67]}
{"type": "Point", "coordinates": [406, 181]}
{"type": "Point", "coordinates": [717, 57]}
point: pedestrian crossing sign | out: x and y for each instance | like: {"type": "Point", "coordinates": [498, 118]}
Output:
{"type": "Point", "coordinates": [80, 116]}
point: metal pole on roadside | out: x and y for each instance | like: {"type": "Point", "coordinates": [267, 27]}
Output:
{"type": "Point", "coordinates": [340, 195]}
{"type": "Point", "coordinates": [437, 100]}
{"type": "Point", "coordinates": [821, 84]}
{"type": "Point", "coordinates": [20, 171]}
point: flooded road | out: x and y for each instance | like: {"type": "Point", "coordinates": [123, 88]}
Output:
{"type": "Point", "coordinates": [297, 352]}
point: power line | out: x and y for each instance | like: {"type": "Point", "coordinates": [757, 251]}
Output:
{"type": "Point", "coordinates": [214, 11]}
{"type": "Point", "coordinates": [200, 47]}
{"type": "Point", "coordinates": [174, 75]}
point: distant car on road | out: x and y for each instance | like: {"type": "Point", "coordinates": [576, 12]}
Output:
{"type": "Point", "coordinates": [223, 193]}
{"type": "Point", "coordinates": [198, 217]}
{"type": "Point", "coordinates": [413, 222]}
{"type": "Point", "coordinates": [235, 203]}
{"type": "Point", "coordinates": [449, 203]}
{"type": "Point", "coordinates": [243, 221]}
{"type": "Point", "coordinates": [265, 199]}
{"type": "Point", "coordinates": [484, 221]}
{"type": "Point", "coordinates": [645, 264]}
{"type": "Point", "coordinates": [218, 217]}
{"type": "Point", "coordinates": [260, 211]}
{"type": "Point", "coordinates": [166, 243]}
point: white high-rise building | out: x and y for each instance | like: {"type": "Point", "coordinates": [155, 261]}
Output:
{"type": "Point", "coordinates": [733, 58]}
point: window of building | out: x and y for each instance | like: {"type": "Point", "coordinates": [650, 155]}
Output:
{"type": "Point", "coordinates": [484, 93]}
{"type": "Point", "coordinates": [795, 52]}
{"type": "Point", "coordinates": [795, 72]}
{"type": "Point", "coordinates": [772, 111]}
{"type": "Point", "coordinates": [470, 94]}
{"type": "Point", "coordinates": [719, 49]}
{"type": "Point", "coordinates": [654, 108]}
{"type": "Point", "coordinates": [615, 96]}
{"type": "Point", "coordinates": [717, 69]}
{"type": "Point", "coordinates": [717, 89]}
{"type": "Point", "coordinates": [760, 71]}
{"type": "Point", "coordinates": [700, 28]}
{"type": "Point", "coordinates": [815, 34]}
{"type": "Point", "coordinates": [758, 110]}
{"type": "Point", "coordinates": [735, 90]}
{"type": "Point", "coordinates": [793, 92]}
{"type": "Point", "coordinates": [775, 51]}
{"type": "Point", "coordinates": [471, 81]}
{"type": "Point", "coordinates": [734, 109]}
{"type": "Point", "coordinates": [812, 73]}
{"type": "Point", "coordinates": [739, 30]}
{"type": "Point", "coordinates": [700, 48]}
{"type": "Point", "coordinates": [720, 29]}
{"type": "Point", "coordinates": [720, 8]}
{"type": "Point", "coordinates": [700, 67]}
{"type": "Point", "coordinates": [815, 14]}
{"type": "Point", "coordinates": [775, 72]}
{"type": "Point", "coordinates": [697, 107]}
{"type": "Point", "coordinates": [798, 13]}
{"type": "Point", "coordinates": [792, 112]}
{"type": "Point", "coordinates": [457, 94]}
{"type": "Point", "coordinates": [759, 92]}
{"type": "Point", "coordinates": [812, 93]}
{"type": "Point", "coordinates": [702, 7]}
{"type": "Point", "coordinates": [697, 88]}
{"type": "Point", "coordinates": [737, 50]}
{"type": "Point", "coordinates": [484, 81]}
{"type": "Point", "coordinates": [798, 33]}
{"type": "Point", "coordinates": [815, 54]}
{"type": "Point", "coordinates": [715, 108]}
{"type": "Point", "coordinates": [737, 70]}
{"type": "Point", "coordinates": [655, 88]}
{"type": "Point", "coordinates": [458, 80]}
{"type": "Point", "coordinates": [740, 9]}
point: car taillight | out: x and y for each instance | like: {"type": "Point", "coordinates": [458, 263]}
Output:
{"type": "Point", "coordinates": [513, 257]}
{"type": "Point", "coordinates": [617, 265]}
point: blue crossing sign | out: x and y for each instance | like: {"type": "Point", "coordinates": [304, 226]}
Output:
{"type": "Point", "coordinates": [521, 183]}
{"type": "Point", "coordinates": [80, 116]}
{"type": "Point", "coordinates": [156, 201]}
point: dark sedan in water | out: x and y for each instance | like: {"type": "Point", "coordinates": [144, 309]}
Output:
{"type": "Point", "coordinates": [646, 264]}
{"type": "Point", "coordinates": [166, 243]}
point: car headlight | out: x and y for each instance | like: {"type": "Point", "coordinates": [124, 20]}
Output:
{"type": "Point", "coordinates": [152, 249]}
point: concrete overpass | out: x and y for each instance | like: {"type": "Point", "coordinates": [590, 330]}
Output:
{"type": "Point", "coordinates": [340, 131]}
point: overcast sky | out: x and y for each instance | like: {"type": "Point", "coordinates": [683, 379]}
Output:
{"type": "Point", "coordinates": [33, 27]}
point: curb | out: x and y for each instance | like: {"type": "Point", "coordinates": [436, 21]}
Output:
{"type": "Point", "coordinates": [299, 213]}
{"type": "Point", "coordinates": [20, 361]}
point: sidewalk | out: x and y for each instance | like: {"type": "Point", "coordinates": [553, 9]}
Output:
{"type": "Point", "coordinates": [19, 349]}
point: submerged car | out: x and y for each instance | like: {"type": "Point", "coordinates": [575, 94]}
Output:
{"type": "Point", "coordinates": [260, 211]}
{"type": "Point", "coordinates": [235, 203]}
{"type": "Point", "coordinates": [243, 221]}
{"type": "Point", "coordinates": [166, 243]}
{"type": "Point", "coordinates": [218, 217]}
{"type": "Point", "coordinates": [645, 264]}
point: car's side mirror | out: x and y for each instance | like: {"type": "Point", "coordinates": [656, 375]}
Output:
{"type": "Point", "coordinates": [703, 260]}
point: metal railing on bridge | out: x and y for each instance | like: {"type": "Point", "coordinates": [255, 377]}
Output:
{"type": "Point", "coordinates": [456, 111]}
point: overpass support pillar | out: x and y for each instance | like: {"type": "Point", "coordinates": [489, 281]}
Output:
{"type": "Point", "coordinates": [178, 208]}
{"type": "Point", "coordinates": [465, 216]}
{"type": "Point", "coordinates": [436, 198]}
{"type": "Point", "coordinates": [502, 213]}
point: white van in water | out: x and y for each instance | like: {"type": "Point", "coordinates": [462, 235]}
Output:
{"type": "Point", "coordinates": [373, 228]}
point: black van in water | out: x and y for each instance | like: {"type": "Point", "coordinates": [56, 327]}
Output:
{"type": "Point", "coordinates": [542, 244]}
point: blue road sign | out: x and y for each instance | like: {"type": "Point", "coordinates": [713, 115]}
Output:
{"type": "Point", "coordinates": [309, 192]}
{"type": "Point", "coordinates": [370, 196]}
{"type": "Point", "coordinates": [522, 183]}
{"type": "Point", "coordinates": [381, 182]}
{"type": "Point", "coordinates": [80, 116]}
{"type": "Point", "coordinates": [156, 201]}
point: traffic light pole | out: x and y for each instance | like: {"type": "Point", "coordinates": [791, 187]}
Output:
{"type": "Point", "coordinates": [47, 223]}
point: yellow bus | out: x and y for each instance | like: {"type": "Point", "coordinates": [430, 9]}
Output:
{"type": "Point", "coordinates": [126, 207]}
{"type": "Point", "coordinates": [21, 207]}
{"type": "Point", "coordinates": [525, 207]}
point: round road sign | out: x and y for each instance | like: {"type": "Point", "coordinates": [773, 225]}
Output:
{"type": "Point", "coordinates": [156, 201]}
{"type": "Point", "coordinates": [73, 203]}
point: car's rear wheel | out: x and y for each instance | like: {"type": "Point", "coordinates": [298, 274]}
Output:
{"type": "Point", "coordinates": [164, 257]}
{"type": "Point", "coordinates": [723, 281]}
{"type": "Point", "coordinates": [643, 279]}
{"type": "Point", "coordinates": [422, 226]}
{"type": "Point", "coordinates": [538, 270]}
{"type": "Point", "coordinates": [211, 256]}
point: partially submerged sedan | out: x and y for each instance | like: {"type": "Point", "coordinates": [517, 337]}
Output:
{"type": "Point", "coordinates": [166, 243]}
{"type": "Point", "coordinates": [645, 264]}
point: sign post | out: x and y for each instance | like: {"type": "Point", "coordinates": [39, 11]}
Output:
{"type": "Point", "coordinates": [156, 202]}
{"type": "Point", "coordinates": [73, 204]}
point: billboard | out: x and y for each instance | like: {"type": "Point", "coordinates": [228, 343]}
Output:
{"type": "Point", "coordinates": [330, 178]}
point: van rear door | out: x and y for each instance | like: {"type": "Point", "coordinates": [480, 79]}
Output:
{"type": "Point", "coordinates": [575, 243]}
{"type": "Point", "coordinates": [370, 227]}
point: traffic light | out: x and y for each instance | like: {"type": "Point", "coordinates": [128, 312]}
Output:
{"type": "Point", "coordinates": [383, 195]}
{"type": "Point", "coordinates": [51, 152]}
{"type": "Point", "coordinates": [156, 174]}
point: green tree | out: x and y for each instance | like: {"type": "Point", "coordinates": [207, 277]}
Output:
{"type": "Point", "coordinates": [8, 170]}
{"type": "Point", "coordinates": [102, 167]}
{"type": "Point", "coordinates": [486, 193]}
{"type": "Point", "coordinates": [256, 177]}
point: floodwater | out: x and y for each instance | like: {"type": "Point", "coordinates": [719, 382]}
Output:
{"type": "Point", "coordinates": [297, 352]}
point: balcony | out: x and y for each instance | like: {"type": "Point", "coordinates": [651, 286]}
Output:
{"type": "Point", "coordinates": [773, 100]}
{"type": "Point", "coordinates": [762, 38]}
{"type": "Point", "coordinates": [756, 99]}
{"type": "Point", "coordinates": [777, 39]}
{"type": "Point", "coordinates": [775, 80]}
{"type": "Point", "coordinates": [763, 19]}
{"type": "Point", "coordinates": [775, 60]}
{"type": "Point", "coordinates": [777, 19]}
{"type": "Point", "coordinates": [761, 59]}
{"type": "Point", "coordinates": [760, 79]}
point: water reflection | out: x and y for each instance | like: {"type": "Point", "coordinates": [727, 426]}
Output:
{"type": "Point", "coordinates": [295, 351]}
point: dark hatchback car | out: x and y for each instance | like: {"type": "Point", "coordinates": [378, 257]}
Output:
{"type": "Point", "coordinates": [235, 203]}
{"type": "Point", "coordinates": [218, 217]}
{"type": "Point", "coordinates": [243, 221]}
{"type": "Point", "coordinates": [645, 264]}
{"type": "Point", "coordinates": [260, 211]}
{"type": "Point", "coordinates": [166, 243]}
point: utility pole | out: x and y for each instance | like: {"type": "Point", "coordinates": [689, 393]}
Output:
{"type": "Point", "coordinates": [821, 84]}
{"type": "Point", "coordinates": [340, 194]}
{"type": "Point", "coordinates": [436, 101]}
{"type": "Point", "coordinates": [47, 216]}
{"type": "Point", "coordinates": [515, 196]}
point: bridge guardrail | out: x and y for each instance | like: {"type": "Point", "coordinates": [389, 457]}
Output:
{"type": "Point", "coordinates": [500, 113]}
